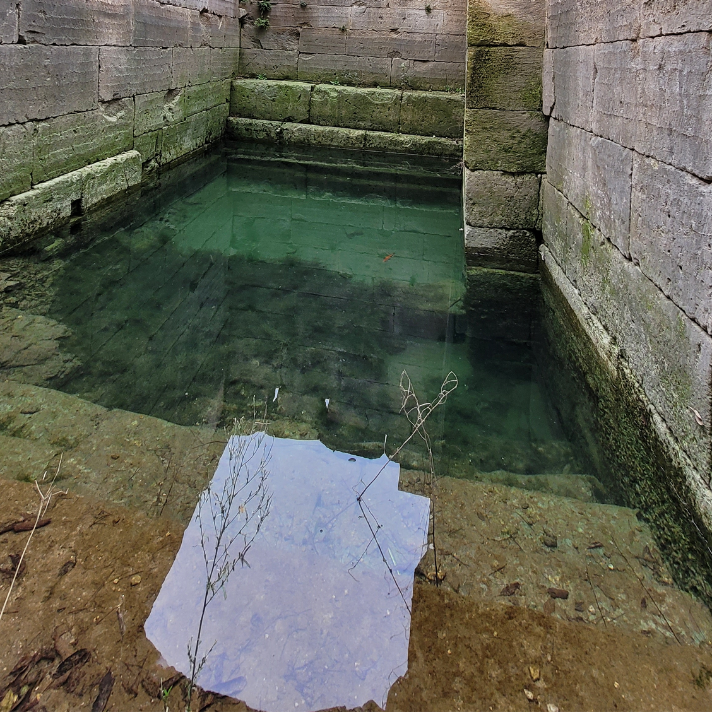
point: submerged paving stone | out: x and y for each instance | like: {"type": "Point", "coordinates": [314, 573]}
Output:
{"type": "Point", "coordinates": [319, 616]}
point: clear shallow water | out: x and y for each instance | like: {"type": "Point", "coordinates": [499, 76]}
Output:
{"type": "Point", "coordinates": [260, 271]}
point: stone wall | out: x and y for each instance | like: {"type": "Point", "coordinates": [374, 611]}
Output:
{"type": "Point", "coordinates": [418, 44]}
{"type": "Point", "coordinates": [627, 202]}
{"type": "Point", "coordinates": [83, 81]}
{"type": "Point", "coordinates": [505, 133]}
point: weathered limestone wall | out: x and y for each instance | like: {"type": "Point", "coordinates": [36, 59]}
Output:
{"type": "Point", "coordinates": [82, 81]}
{"type": "Point", "coordinates": [505, 133]}
{"type": "Point", "coordinates": [627, 204]}
{"type": "Point", "coordinates": [416, 44]}
{"type": "Point", "coordinates": [299, 113]}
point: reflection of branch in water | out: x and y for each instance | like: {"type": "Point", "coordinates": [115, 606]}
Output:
{"type": "Point", "coordinates": [244, 501]}
{"type": "Point", "coordinates": [416, 413]}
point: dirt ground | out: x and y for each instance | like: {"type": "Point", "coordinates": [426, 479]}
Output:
{"type": "Point", "coordinates": [72, 636]}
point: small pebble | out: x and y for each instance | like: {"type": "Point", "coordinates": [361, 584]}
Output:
{"type": "Point", "coordinates": [550, 541]}
{"type": "Point", "coordinates": [135, 580]}
{"type": "Point", "coordinates": [529, 695]}
{"type": "Point", "coordinates": [534, 673]}
{"type": "Point", "coordinates": [552, 707]}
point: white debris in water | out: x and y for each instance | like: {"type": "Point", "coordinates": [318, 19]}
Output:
{"type": "Point", "coordinates": [276, 393]}
{"type": "Point", "coordinates": [327, 401]}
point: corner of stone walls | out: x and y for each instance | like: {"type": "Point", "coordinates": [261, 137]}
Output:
{"type": "Point", "coordinates": [505, 134]}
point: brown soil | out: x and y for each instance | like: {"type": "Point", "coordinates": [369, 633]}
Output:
{"type": "Point", "coordinates": [465, 654]}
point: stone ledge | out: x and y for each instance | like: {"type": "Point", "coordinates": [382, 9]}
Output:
{"type": "Point", "coordinates": [512, 250]}
{"type": "Point", "coordinates": [294, 134]}
{"type": "Point", "coordinates": [26, 214]}
{"type": "Point", "coordinates": [419, 113]}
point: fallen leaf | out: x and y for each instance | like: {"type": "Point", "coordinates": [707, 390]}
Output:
{"type": "Point", "coordinates": [698, 417]}
{"type": "Point", "coordinates": [105, 687]}
{"type": "Point", "coordinates": [558, 593]}
{"type": "Point", "coordinates": [388, 257]}
{"type": "Point", "coordinates": [595, 545]}
{"type": "Point", "coordinates": [510, 589]}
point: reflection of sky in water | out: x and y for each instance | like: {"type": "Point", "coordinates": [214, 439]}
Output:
{"type": "Point", "coordinates": [300, 628]}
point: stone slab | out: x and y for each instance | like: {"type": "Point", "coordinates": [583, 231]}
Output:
{"type": "Point", "coordinates": [271, 100]}
{"type": "Point", "coordinates": [671, 235]}
{"type": "Point", "coordinates": [677, 130]}
{"type": "Point", "coordinates": [191, 66]}
{"type": "Point", "coordinates": [273, 39]}
{"type": "Point", "coordinates": [406, 45]}
{"type": "Point", "coordinates": [662, 17]}
{"type": "Point", "coordinates": [432, 114]}
{"type": "Point", "coordinates": [669, 354]}
{"type": "Point", "coordinates": [573, 84]}
{"type": "Point", "coordinates": [409, 143]}
{"type": "Point", "coordinates": [16, 149]}
{"type": "Point", "coordinates": [588, 22]}
{"type": "Point", "coordinates": [506, 22]}
{"type": "Point", "coordinates": [346, 69]}
{"type": "Point", "coordinates": [242, 129]}
{"type": "Point", "coordinates": [269, 64]}
{"type": "Point", "coordinates": [126, 71]}
{"type": "Point", "coordinates": [49, 203]}
{"type": "Point", "coordinates": [322, 40]}
{"type": "Point", "coordinates": [504, 78]}
{"type": "Point", "coordinates": [548, 92]}
{"type": "Point", "coordinates": [596, 176]}
{"type": "Point", "coordinates": [160, 25]}
{"type": "Point", "coordinates": [451, 48]}
{"type": "Point", "coordinates": [157, 109]}
{"type": "Point", "coordinates": [202, 97]}
{"type": "Point", "coordinates": [356, 108]}
{"type": "Point", "coordinates": [331, 136]}
{"type": "Point", "coordinates": [512, 141]}
{"type": "Point", "coordinates": [428, 76]}
{"type": "Point", "coordinates": [69, 142]}
{"type": "Point", "coordinates": [8, 21]}
{"type": "Point", "coordinates": [501, 200]}
{"type": "Point", "coordinates": [38, 82]}
{"type": "Point", "coordinates": [186, 136]}
{"type": "Point", "coordinates": [149, 146]}
{"type": "Point", "coordinates": [512, 250]}
{"type": "Point", "coordinates": [224, 63]}
{"type": "Point", "coordinates": [77, 22]}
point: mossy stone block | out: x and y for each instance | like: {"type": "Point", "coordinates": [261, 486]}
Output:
{"type": "Point", "coordinates": [270, 100]}
{"type": "Point", "coordinates": [516, 22]}
{"type": "Point", "coordinates": [202, 97]}
{"type": "Point", "coordinates": [432, 113]}
{"type": "Point", "coordinates": [333, 136]}
{"type": "Point", "coordinates": [16, 146]}
{"type": "Point", "coordinates": [409, 143]}
{"type": "Point", "coordinates": [243, 129]}
{"type": "Point", "coordinates": [512, 141]}
{"type": "Point", "coordinates": [504, 78]}
{"type": "Point", "coordinates": [356, 108]}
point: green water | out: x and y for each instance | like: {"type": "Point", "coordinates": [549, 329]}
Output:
{"type": "Point", "coordinates": [244, 272]}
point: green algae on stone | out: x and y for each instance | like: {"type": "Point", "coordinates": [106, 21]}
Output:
{"type": "Point", "coordinates": [270, 100]}
{"type": "Point", "coordinates": [432, 114]}
{"type": "Point", "coordinates": [486, 27]}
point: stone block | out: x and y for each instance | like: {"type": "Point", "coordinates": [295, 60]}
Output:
{"type": "Point", "coordinates": [662, 17]}
{"type": "Point", "coordinates": [596, 176]}
{"type": "Point", "coordinates": [588, 22]}
{"type": "Point", "coordinates": [51, 202]}
{"type": "Point", "coordinates": [8, 21]}
{"type": "Point", "coordinates": [272, 39]}
{"type": "Point", "coordinates": [450, 48]}
{"type": "Point", "coordinates": [69, 142]}
{"type": "Point", "coordinates": [677, 130]}
{"type": "Point", "coordinates": [149, 145]}
{"type": "Point", "coordinates": [512, 250]}
{"type": "Point", "coordinates": [242, 129]}
{"type": "Point", "coordinates": [186, 136]}
{"type": "Point", "coordinates": [38, 82]}
{"type": "Point", "coordinates": [374, 43]}
{"type": "Point", "coordinates": [272, 64]}
{"type": "Point", "coordinates": [414, 74]}
{"type": "Point", "coordinates": [16, 148]}
{"type": "Point", "coordinates": [156, 110]}
{"type": "Point", "coordinates": [202, 97]}
{"type": "Point", "coordinates": [77, 22]}
{"type": "Point", "coordinates": [224, 63]}
{"type": "Point", "coordinates": [230, 26]}
{"type": "Point", "coordinates": [159, 25]}
{"type": "Point", "coordinates": [126, 71]}
{"type": "Point", "coordinates": [271, 100]}
{"type": "Point", "coordinates": [671, 235]}
{"type": "Point", "coordinates": [548, 92]}
{"type": "Point", "coordinates": [512, 141]}
{"type": "Point", "coordinates": [321, 40]}
{"type": "Point", "coordinates": [506, 22]}
{"type": "Point", "coordinates": [615, 101]}
{"type": "Point", "coordinates": [501, 200]}
{"type": "Point", "coordinates": [504, 78]}
{"type": "Point", "coordinates": [669, 354]}
{"type": "Point", "coordinates": [227, 8]}
{"type": "Point", "coordinates": [192, 66]}
{"type": "Point", "coordinates": [346, 69]}
{"type": "Point", "coordinates": [331, 136]}
{"type": "Point", "coordinates": [432, 114]}
{"type": "Point", "coordinates": [356, 108]}
{"type": "Point", "coordinates": [395, 19]}
{"type": "Point", "coordinates": [411, 144]}
{"type": "Point", "coordinates": [574, 76]}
